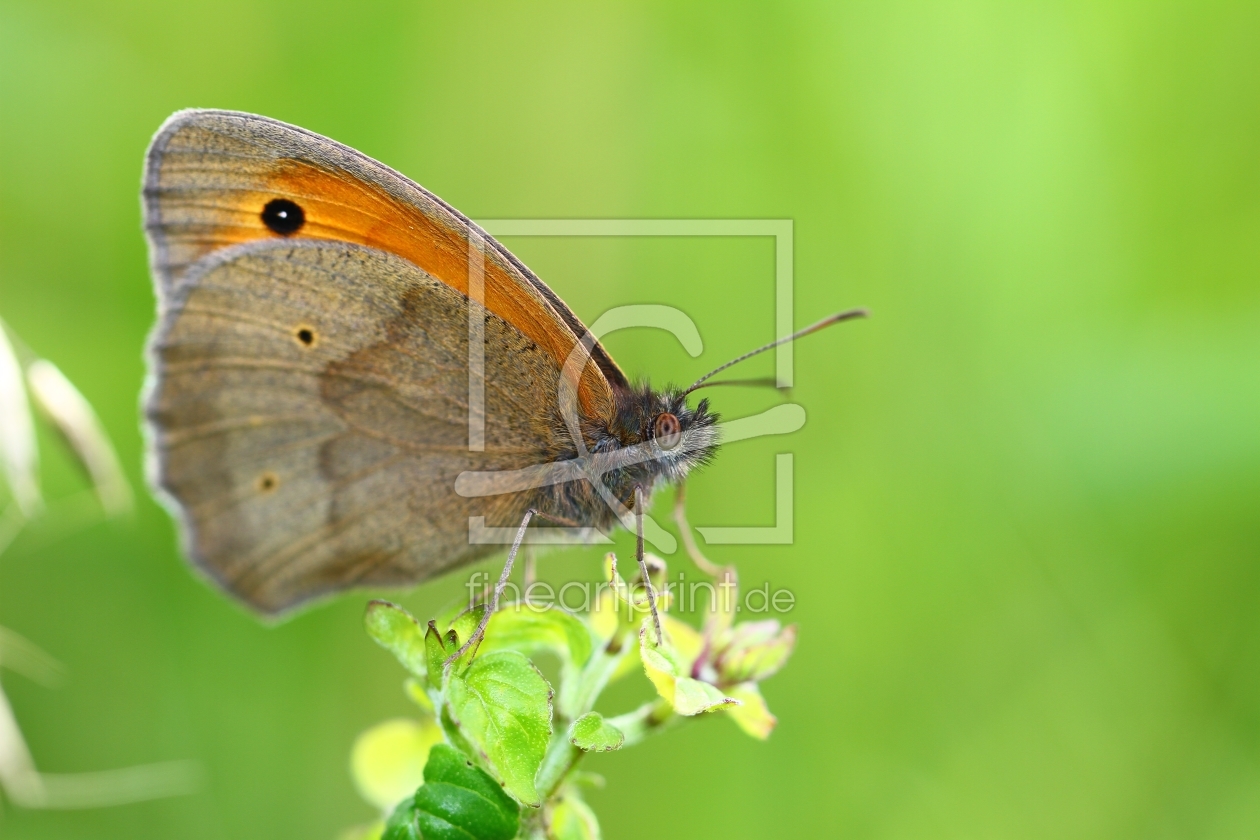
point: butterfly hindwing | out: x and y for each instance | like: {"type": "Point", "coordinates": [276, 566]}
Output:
{"type": "Point", "coordinates": [308, 416]}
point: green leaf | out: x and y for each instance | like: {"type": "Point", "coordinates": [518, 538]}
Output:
{"type": "Point", "coordinates": [663, 667]}
{"type": "Point", "coordinates": [751, 714]}
{"type": "Point", "coordinates": [453, 734]}
{"type": "Point", "coordinates": [591, 733]}
{"type": "Point", "coordinates": [572, 819]}
{"type": "Point", "coordinates": [693, 697]}
{"type": "Point", "coordinates": [659, 670]}
{"type": "Point", "coordinates": [402, 824]}
{"type": "Point", "coordinates": [387, 761]}
{"type": "Point", "coordinates": [465, 624]}
{"type": "Point", "coordinates": [530, 628]}
{"type": "Point", "coordinates": [502, 706]}
{"type": "Point", "coordinates": [754, 651]}
{"type": "Point", "coordinates": [460, 801]}
{"type": "Point", "coordinates": [394, 629]}
{"type": "Point", "coordinates": [457, 802]}
{"type": "Point", "coordinates": [685, 640]}
{"type": "Point", "coordinates": [437, 647]}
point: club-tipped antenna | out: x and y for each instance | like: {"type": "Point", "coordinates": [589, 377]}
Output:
{"type": "Point", "coordinates": [825, 322]}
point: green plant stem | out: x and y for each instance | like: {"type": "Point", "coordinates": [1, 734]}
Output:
{"type": "Point", "coordinates": [650, 718]}
{"type": "Point", "coordinates": [559, 761]}
{"type": "Point", "coordinates": [593, 680]}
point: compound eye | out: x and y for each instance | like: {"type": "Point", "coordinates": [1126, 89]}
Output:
{"type": "Point", "coordinates": [667, 431]}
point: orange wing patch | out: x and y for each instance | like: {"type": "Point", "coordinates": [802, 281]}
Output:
{"type": "Point", "coordinates": [204, 205]}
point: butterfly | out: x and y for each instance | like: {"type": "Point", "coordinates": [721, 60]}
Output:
{"type": "Point", "coordinates": [335, 347]}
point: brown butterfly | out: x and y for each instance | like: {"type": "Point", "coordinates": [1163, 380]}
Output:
{"type": "Point", "coordinates": [309, 401]}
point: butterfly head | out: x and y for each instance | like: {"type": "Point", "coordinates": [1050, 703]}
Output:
{"type": "Point", "coordinates": [677, 437]}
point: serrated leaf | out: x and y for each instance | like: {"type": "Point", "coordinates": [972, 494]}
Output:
{"type": "Point", "coordinates": [402, 824]}
{"type": "Point", "coordinates": [396, 630]}
{"type": "Point", "coordinates": [502, 706]}
{"type": "Point", "coordinates": [752, 714]}
{"type": "Point", "coordinates": [437, 648]}
{"type": "Point", "coordinates": [592, 733]}
{"type": "Point", "coordinates": [387, 761]}
{"type": "Point", "coordinates": [530, 628]}
{"type": "Point", "coordinates": [457, 801]}
{"type": "Point", "coordinates": [439, 645]}
{"type": "Point", "coordinates": [460, 801]}
{"type": "Point", "coordinates": [572, 819]}
{"type": "Point", "coordinates": [465, 624]}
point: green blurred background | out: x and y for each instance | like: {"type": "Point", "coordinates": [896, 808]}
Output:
{"type": "Point", "coordinates": [1027, 551]}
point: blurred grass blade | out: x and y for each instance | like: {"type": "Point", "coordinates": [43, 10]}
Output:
{"type": "Point", "coordinates": [18, 775]}
{"type": "Point", "coordinates": [69, 791]}
{"type": "Point", "coordinates": [17, 432]}
{"type": "Point", "coordinates": [19, 654]}
{"type": "Point", "coordinates": [29, 788]}
{"type": "Point", "coordinates": [77, 422]}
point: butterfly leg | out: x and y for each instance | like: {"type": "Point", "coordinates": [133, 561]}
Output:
{"type": "Point", "coordinates": [643, 569]}
{"type": "Point", "coordinates": [477, 634]}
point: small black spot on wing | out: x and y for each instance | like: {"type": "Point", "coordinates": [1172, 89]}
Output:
{"type": "Point", "coordinates": [283, 217]}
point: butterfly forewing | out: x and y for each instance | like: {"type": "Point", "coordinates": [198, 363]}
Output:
{"type": "Point", "coordinates": [211, 175]}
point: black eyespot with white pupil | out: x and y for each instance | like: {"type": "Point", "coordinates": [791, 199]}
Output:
{"type": "Point", "coordinates": [667, 431]}
{"type": "Point", "coordinates": [283, 217]}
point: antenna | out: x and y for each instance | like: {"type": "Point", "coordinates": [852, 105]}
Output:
{"type": "Point", "coordinates": [825, 322]}
{"type": "Point", "coordinates": [759, 382]}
